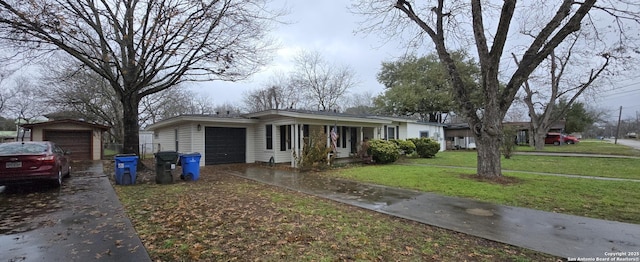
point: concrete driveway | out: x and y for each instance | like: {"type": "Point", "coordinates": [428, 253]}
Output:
{"type": "Point", "coordinates": [81, 221]}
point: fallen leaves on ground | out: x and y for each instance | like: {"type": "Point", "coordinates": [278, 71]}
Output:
{"type": "Point", "coordinates": [221, 218]}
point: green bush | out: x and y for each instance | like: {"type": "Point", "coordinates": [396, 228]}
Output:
{"type": "Point", "coordinates": [426, 147]}
{"type": "Point", "coordinates": [406, 146]}
{"type": "Point", "coordinates": [383, 151]}
{"type": "Point", "coordinates": [509, 144]}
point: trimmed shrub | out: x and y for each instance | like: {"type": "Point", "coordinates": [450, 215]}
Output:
{"type": "Point", "coordinates": [383, 151]}
{"type": "Point", "coordinates": [406, 146]}
{"type": "Point", "coordinates": [426, 147]}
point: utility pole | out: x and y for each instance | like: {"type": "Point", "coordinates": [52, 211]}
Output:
{"type": "Point", "coordinates": [618, 128]}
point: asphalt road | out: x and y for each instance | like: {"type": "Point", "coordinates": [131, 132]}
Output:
{"type": "Point", "coordinates": [630, 142]}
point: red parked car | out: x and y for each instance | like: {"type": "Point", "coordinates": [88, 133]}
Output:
{"type": "Point", "coordinates": [557, 138]}
{"type": "Point", "coordinates": [33, 161]}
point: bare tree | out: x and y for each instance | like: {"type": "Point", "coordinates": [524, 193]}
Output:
{"type": "Point", "coordinates": [67, 85]}
{"type": "Point", "coordinates": [173, 102]}
{"type": "Point", "coordinates": [26, 104]}
{"type": "Point", "coordinates": [143, 47]}
{"type": "Point", "coordinates": [446, 23]}
{"type": "Point", "coordinates": [323, 84]}
{"type": "Point", "coordinates": [6, 93]}
{"type": "Point", "coordinates": [278, 93]}
{"type": "Point", "coordinates": [564, 84]}
{"type": "Point", "coordinates": [227, 109]}
{"type": "Point", "coordinates": [360, 103]}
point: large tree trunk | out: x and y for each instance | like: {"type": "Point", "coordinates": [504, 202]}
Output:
{"type": "Point", "coordinates": [489, 165]}
{"type": "Point", "coordinates": [489, 140]}
{"type": "Point", "coordinates": [131, 143]}
{"type": "Point", "coordinates": [539, 139]}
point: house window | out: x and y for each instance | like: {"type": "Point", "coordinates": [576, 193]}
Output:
{"type": "Point", "coordinates": [424, 134]}
{"type": "Point", "coordinates": [176, 137]}
{"type": "Point", "coordinates": [391, 133]}
{"type": "Point", "coordinates": [269, 135]}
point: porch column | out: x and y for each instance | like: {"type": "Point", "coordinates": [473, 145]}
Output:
{"type": "Point", "coordinates": [294, 147]}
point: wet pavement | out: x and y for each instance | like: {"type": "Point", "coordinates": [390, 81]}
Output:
{"type": "Point", "coordinates": [567, 236]}
{"type": "Point", "coordinates": [81, 221]}
{"type": "Point", "coordinates": [635, 143]}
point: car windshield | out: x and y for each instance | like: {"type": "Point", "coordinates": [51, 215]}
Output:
{"type": "Point", "coordinates": [20, 148]}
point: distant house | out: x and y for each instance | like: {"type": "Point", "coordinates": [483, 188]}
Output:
{"type": "Point", "coordinates": [277, 135]}
{"type": "Point", "coordinates": [460, 136]}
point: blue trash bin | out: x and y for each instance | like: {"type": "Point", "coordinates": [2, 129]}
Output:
{"type": "Point", "coordinates": [126, 169]}
{"type": "Point", "coordinates": [190, 166]}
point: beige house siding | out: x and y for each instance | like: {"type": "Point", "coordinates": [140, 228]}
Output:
{"type": "Point", "coordinates": [164, 139]}
{"type": "Point", "coordinates": [184, 137]}
{"type": "Point", "coordinates": [262, 154]}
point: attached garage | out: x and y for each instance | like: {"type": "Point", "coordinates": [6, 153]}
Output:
{"type": "Point", "coordinates": [83, 139]}
{"type": "Point", "coordinates": [225, 145]}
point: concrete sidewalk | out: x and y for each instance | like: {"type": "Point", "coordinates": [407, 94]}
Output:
{"type": "Point", "coordinates": [533, 173]}
{"type": "Point", "coordinates": [566, 236]}
{"type": "Point", "coordinates": [534, 153]}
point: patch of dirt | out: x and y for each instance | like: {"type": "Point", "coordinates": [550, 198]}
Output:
{"type": "Point", "coordinates": [503, 180]}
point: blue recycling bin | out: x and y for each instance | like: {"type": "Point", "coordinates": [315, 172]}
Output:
{"type": "Point", "coordinates": [126, 169]}
{"type": "Point", "coordinates": [190, 166]}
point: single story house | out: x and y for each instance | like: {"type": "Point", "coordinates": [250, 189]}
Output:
{"type": "Point", "coordinates": [83, 139]}
{"type": "Point", "coordinates": [276, 135]}
{"type": "Point", "coordinates": [460, 136]}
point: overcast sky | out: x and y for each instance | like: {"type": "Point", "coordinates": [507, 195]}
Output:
{"type": "Point", "coordinates": [323, 26]}
{"type": "Point", "coordinates": [328, 27]}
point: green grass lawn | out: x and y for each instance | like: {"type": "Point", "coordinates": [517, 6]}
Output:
{"type": "Point", "coordinates": [588, 146]}
{"type": "Point", "coordinates": [611, 200]}
{"type": "Point", "coordinates": [584, 166]}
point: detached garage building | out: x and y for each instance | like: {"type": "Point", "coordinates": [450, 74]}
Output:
{"type": "Point", "coordinates": [83, 139]}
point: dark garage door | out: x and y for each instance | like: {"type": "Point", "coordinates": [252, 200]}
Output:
{"type": "Point", "coordinates": [76, 141]}
{"type": "Point", "coordinates": [224, 145]}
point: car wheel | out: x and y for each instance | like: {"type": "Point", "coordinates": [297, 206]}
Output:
{"type": "Point", "coordinates": [68, 172]}
{"type": "Point", "coordinates": [557, 143]}
{"type": "Point", "coordinates": [570, 142]}
{"type": "Point", "coordinates": [58, 182]}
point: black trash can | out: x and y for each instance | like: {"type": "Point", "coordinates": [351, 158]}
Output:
{"type": "Point", "coordinates": [165, 164]}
